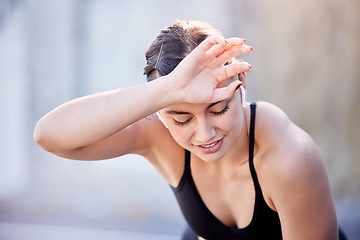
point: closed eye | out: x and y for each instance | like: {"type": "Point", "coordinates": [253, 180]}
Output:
{"type": "Point", "coordinates": [222, 111]}
{"type": "Point", "coordinates": [178, 123]}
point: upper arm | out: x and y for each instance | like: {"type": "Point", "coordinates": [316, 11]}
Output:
{"type": "Point", "coordinates": [303, 200]}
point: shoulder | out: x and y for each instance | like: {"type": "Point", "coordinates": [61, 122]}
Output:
{"type": "Point", "coordinates": [275, 132]}
{"type": "Point", "coordinates": [155, 134]}
{"type": "Point", "coordinates": [163, 152]}
{"type": "Point", "coordinates": [287, 155]}
{"type": "Point", "coordinates": [285, 148]}
{"type": "Point", "coordinates": [271, 119]}
{"type": "Point", "coordinates": [292, 174]}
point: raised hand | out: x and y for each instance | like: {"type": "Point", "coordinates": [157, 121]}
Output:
{"type": "Point", "coordinates": [196, 79]}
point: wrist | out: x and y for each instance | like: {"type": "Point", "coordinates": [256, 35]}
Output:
{"type": "Point", "coordinates": [171, 92]}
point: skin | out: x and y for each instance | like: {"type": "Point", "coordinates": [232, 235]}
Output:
{"type": "Point", "coordinates": [288, 163]}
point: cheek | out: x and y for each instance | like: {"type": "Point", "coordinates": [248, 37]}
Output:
{"type": "Point", "coordinates": [232, 121]}
{"type": "Point", "coordinates": [181, 135]}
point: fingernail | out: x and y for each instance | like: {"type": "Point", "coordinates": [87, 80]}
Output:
{"type": "Point", "coordinates": [238, 86]}
{"type": "Point", "coordinates": [250, 66]}
{"type": "Point", "coordinates": [226, 41]}
{"type": "Point", "coordinates": [251, 48]}
{"type": "Point", "coordinates": [244, 40]}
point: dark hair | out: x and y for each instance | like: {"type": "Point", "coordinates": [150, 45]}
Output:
{"type": "Point", "coordinates": [173, 44]}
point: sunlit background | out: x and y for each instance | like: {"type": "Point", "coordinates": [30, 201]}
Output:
{"type": "Point", "coordinates": [306, 60]}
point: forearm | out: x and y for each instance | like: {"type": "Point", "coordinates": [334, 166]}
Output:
{"type": "Point", "coordinates": [93, 118]}
{"type": "Point", "coordinates": [90, 119]}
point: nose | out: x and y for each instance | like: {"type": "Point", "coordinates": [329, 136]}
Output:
{"type": "Point", "coordinates": [205, 132]}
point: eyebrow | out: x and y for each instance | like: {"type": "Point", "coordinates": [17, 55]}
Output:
{"type": "Point", "coordinates": [184, 113]}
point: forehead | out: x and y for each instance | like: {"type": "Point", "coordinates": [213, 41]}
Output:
{"type": "Point", "coordinates": [184, 108]}
{"type": "Point", "coordinates": [191, 108]}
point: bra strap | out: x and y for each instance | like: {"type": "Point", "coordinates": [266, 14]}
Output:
{"type": "Point", "coordinates": [187, 159]}
{"type": "Point", "coordinates": [252, 143]}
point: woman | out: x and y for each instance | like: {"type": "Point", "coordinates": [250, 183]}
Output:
{"type": "Point", "coordinates": [231, 181]}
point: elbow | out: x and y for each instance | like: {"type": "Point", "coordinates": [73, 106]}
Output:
{"type": "Point", "coordinates": [51, 141]}
{"type": "Point", "coordinates": [37, 134]}
{"type": "Point", "coordinates": [40, 136]}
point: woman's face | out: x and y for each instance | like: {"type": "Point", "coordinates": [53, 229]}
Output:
{"type": "Point", "coordinates": [207, 130]}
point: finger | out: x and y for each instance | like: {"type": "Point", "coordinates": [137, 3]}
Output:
{"type": "Point", "coordinates": [235, 41]}
{"type": "Point", "coordinates": [236, 68]}
{"type": "Point", "coordinates": [217, 50]}
{"type": "Point", "coordinates": [226, 92]}
{"type": "Point", "coordinates": [234, 51]}
{"type": "Point", "coordinates": [211, 41]}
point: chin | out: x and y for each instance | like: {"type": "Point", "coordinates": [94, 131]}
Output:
{"type": "Point", "coordinates": [210, 157]}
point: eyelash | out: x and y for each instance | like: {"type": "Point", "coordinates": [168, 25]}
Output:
{"type": "Point", "coordinates": [215, 113]}
{"type": "Point", "coordinates": [222, 111]}
{"type": "Point", "coordinates": [181, 123]}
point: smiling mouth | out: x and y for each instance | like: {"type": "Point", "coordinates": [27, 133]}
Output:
{"type": "Point", "coordinates": [210, 148]}
{"type": "Point", "coordinates": [209, 145]}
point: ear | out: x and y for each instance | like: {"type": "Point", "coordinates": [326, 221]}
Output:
{"type": "Point", "coordinates": [242, 78]}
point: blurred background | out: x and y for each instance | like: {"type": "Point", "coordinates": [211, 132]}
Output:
{"type": "Point", "coordinates": [306, 60]}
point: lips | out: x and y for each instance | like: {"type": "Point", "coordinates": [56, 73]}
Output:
{"type": "Point", "coordinates": [210, 145]}
{"type": "Point", "coordinates": [210, 148]}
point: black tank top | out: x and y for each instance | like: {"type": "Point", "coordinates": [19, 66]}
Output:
{"type": "Point", "coordinates": [265, 223]}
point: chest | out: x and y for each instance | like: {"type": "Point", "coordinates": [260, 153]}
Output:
{"type": "Point", "coordinates": [230, 199]}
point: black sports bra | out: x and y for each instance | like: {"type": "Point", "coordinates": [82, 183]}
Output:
{"type": "Point", "coordinates": [265, 223]}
